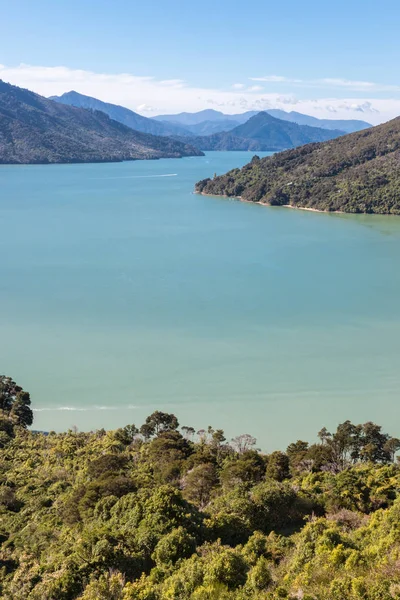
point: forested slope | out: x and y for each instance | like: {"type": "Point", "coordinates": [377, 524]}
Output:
{"type": "Point", "coordinates": [163, 512]}
{"type": "Point", "coordinates": [359, 172]}
{"type": "Point", "coordinates": [36, 130]}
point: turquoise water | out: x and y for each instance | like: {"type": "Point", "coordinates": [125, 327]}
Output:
{"type": "Point", "coordinates": [122, 292]}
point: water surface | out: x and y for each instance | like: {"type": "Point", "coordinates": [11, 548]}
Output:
{"type": "Point", "coordinates": [122, 292]}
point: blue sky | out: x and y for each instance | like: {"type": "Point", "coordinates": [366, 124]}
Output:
{"type": "Point", "coordinates": [337, 59]}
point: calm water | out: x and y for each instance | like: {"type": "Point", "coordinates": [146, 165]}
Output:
{"type": "Point", "coordinates": [121, 292]}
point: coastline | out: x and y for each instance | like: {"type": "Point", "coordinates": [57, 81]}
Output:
{"type": "Point", "coordinates": [339, 212]}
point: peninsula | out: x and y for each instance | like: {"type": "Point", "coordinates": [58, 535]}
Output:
{"type": "Point", "coordinates": [355, 173]}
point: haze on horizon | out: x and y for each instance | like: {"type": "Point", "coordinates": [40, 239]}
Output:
{"type": "Point", "coordinates": [170, 57]}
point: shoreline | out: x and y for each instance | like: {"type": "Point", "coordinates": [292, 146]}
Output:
{"type": "Point", "coordinates": [317, 210]}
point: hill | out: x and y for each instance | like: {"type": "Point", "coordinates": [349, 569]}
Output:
{"type": "Point", "coordinates": [359, 172]}
{"type": "Point", "coordinates": [264, 132]}
{"type": "Point", "coordinates": [34, 129]}
{"type": "Point", "coordinates": [121, 114]}
{"type": "Point", "coordinates": [228, 122]}
{"type": "Point", "coordinates": [210, 127]}
{"type": "Point", "coordinates": [161, 512]}
{"type": "Point", "coordinates": [187, 118]}
{"type": "Point", "coordinates": [346, 125]}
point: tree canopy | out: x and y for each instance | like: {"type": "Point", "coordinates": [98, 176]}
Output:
{"type": "Point", "coordinates": [157, 512]}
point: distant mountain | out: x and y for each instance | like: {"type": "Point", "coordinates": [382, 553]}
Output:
{"type": "Point", "coordinates": [122, 115]}
{"type": "Point", "coordinates": [358, 172]}
{"type": "Point", "coordinates": [264, 132]}
{"type": "Point", "coordinates": [210, 127]}
{"type": "Point", "coordinates": [34, 129]}
{"type": "Point", "coordinates": [349, 126]}
{"type": "Point", "coordinates": [224, 122]}
{"type": "Point", "coordinates": [186, 118]}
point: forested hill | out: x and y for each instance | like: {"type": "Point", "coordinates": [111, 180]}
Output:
{"type": "Point", "coordinates": [359, 172]}
{"type": "Point", "coordinates": [263, 132]}
{"type": "Point", "coordinates": [34, 129]}
{"type": "Point", "coordinates": [162, 512]}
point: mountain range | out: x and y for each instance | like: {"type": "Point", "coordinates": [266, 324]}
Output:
{"type": "Point", "coordinates": [202, 123]}
{"type": "Point", "coordinates": [358, 172]}
{"type": "Point", "coordinates": [262, 132]}
{"type": "Point", "coordinates": [78, 128]}
{"type": "Point", "coordinates": [212, 130]}
{"type": "Point", "coordinates": [192, 120]}
{"type": "Point", "coordinates": [34, 129]}
{"type": "Point", "coordinates": [121, 114]}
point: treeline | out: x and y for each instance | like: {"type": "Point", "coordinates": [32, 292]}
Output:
{"type": "Point", "coordinates": [163, 511]}
{"type": "Point", "coordinates": [356, 173]}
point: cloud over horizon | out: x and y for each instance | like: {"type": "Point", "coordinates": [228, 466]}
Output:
{"type": "Point", "coordinates": [150, 96]}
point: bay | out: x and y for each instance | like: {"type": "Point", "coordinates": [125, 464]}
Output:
{"type": "Point", "coordinates": [122, 292]}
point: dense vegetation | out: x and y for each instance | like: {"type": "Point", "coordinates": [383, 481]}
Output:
{"type": "Point", "coordinates": [264, 132]}
{"type": "Point", "coordinates": [359, 172]}
{"type": "Point", "coordinates": [166, 513]}
{"type": "Point", "coordinates": [34, 129]}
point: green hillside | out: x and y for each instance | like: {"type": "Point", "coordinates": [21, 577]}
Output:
{"type": "Point", "coordinates": [359, 172]}
{"type": "Point", "coordinates": [164, 512]}
{"type": "Point", "coordinates": [34, 129]}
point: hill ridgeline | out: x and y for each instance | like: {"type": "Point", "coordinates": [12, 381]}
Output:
{"type": "Point", "coordinates": [262, 132]}
{"type": "Point", "coordinates": [36, 130]}
{"type": "Point", "coordinates": [357, 173]}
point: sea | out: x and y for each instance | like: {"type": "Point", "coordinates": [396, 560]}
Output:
{"type": "Point", "coordinates": [122, 292]}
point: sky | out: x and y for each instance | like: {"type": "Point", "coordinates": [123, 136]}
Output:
{"type": "Point", "coordinates": [328, 59]}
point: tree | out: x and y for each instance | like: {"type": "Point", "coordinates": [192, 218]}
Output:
{"type": "Point", "coordinates": [158, 422]}
{"type": "Point", "coordinates": [173, 547]}
{"type": "Point", "coordinates": [392, 445]}
{"type": "Point", "coordinates": [244, 442]}
{"type": "Point", "coordinates": [167, 452]}
{"type": "Point", "coordinates": [278, 466]}
{"type": "Point", "coordinates": [324, 435]}
{"type": "Point", "coordinates": [260, 577]}
{"type": "Point", "coordinates": [107, 587]}
{"type": "Point", "coordinates": [188, 432]}
{"type": "Point", "coordinates": [199, 483]}
{"type": "Point", "coordinates": [297, 453]}
{"type": "Point", "coordinates": [248, 468]}
{"type": "Point", "coordinates": [346, 443]}
{"type": "Point", "coordinates": [15, 402]}
{"type": "Point", "coordinates": [227, 567]}
{"type": "Point", "coordinates": [373, 446]}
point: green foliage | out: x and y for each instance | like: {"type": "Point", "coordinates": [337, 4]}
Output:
{"type": "Point", "coordinates": [14, 406]}
{"type": "Point", "coordinates": [357, 173]}
{"type": "Point", "coordinates": [278, 466]}
{"type": "Point", "coordinates": [173, 547]}
{"type": "Point", "coordinates": [111, 515]}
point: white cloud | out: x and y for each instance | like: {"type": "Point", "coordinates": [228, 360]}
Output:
{"type": "Point", "coordinates": [145, 108]}
{"type": "Point", "coordinates": [274, 79]}
{"type": "Point", "coordinates": [287, 100]}
{"type": "Point", "coordinates": [347, 83]}
{"type": "Point", "coordinates": [238, 86]}
{"type": "Point", "coordinates": [144, 93]}
{"type": "Point", "coordinates": [255, 88]}
{"type": "Point", "coordinates": [331, 82]}
{"type": "Point", "coordinates": [176, 83]}
{"type": "Point", "coordinates": [365, 107]}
